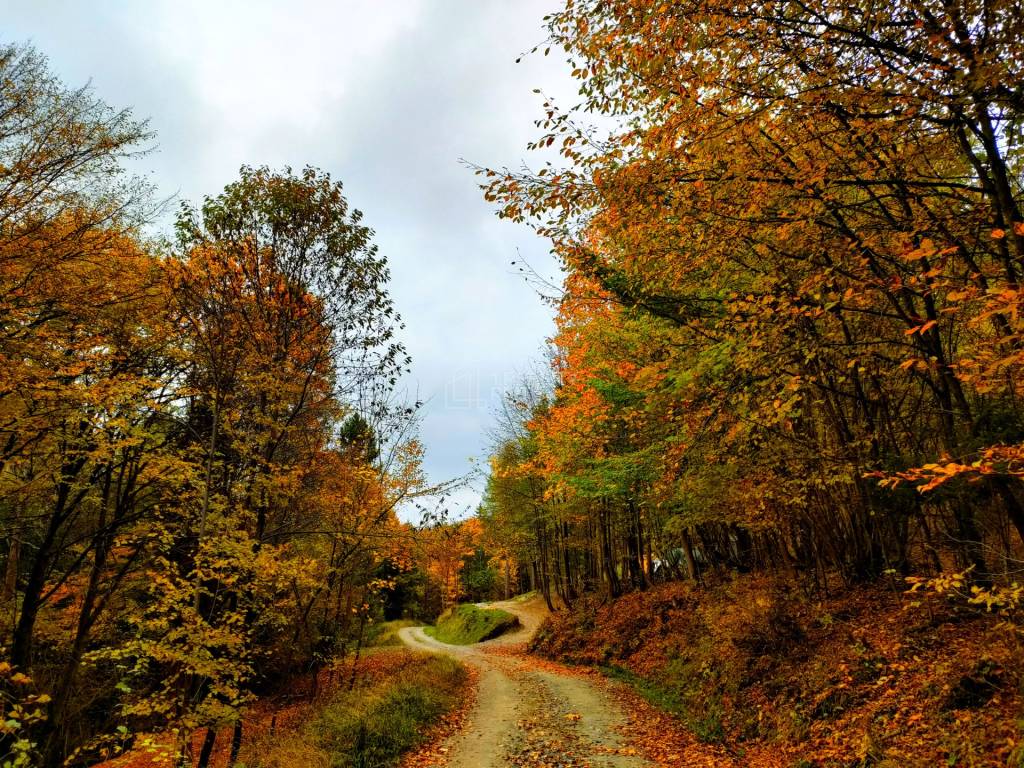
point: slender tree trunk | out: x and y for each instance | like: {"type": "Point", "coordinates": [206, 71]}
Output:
{"type": "Point", "coordinates": [359, 648]}
{"type": "Point", "coordinates": [236, 743]}
{"type": "Point", "coordinates": [11, 569]}
{"type": "Point", "coordinates": [691, 561]}
{"type": "Point", "coordinates": [32, 598]}
{"type": "Point", "coordinates": [570, 588]}
{"type": "Point", "coordinates": [607, 556]}
{"type": "Point", "coordinates": [209, 739]}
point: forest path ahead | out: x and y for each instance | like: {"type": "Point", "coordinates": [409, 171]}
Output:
{"type": "Point", "coordinates": [528, 712]}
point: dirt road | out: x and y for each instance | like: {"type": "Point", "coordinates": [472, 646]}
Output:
{"type": "Point", "coordinates": [527, 714]}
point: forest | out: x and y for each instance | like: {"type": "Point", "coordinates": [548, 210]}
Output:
{"type": "Point", "coordinates": [201, 450]}
{"type": "Point", "coordinates": [768, 473]}
{"type": "Point", "coordinates": [788, 336]}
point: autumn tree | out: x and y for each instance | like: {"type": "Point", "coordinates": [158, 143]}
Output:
{"type": "Point", "coordinates": [285, 324]}
{"type": "Point", "coordinates": [444, 546]}
{"type": "Point", "coordinates": [62, 213]}
{"type": "Point", "coordinates": [84, 360]}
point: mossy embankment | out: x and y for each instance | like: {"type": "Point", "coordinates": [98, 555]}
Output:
{"type": "Point", "coordinates": [762, 671]}
{"type": "Point", "coordinates": [468, 624]}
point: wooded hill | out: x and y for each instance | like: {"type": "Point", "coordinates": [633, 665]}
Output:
{"type": "Point", "coordinates": [789, 337]}
{"type": "Point", "coordinates": [786, 376]}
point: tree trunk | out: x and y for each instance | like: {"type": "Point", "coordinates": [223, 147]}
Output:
{"type": "Point", "coordinates": [236, 743]}
{"type": "Point", "coordinates": [607, 558]}
{"type": "Point", "coordinates": [691, 561]}
{"type": "Point", "coordinates": [209, 739]}
{"type": "Point", "coordinates": [359, 648]}
{"type": "Point", "coordinates": [11, 570]}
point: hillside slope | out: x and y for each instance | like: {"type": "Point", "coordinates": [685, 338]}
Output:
{"type": "Point", "coordinates": [870, 677]}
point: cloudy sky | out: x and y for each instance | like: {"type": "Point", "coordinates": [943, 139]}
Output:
{"type": "Point", "coordinates": [387, 96]}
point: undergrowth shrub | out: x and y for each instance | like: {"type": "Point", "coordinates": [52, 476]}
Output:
{"type": "Point", "coordinates": [291, 750]}
{"type": "Point", "coordinates": [372, 728]}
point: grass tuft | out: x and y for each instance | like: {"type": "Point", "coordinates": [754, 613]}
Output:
{"type": "Point", "coordinates": [372, 728]}
{"type": "Point", "coordinates": [704, 719]}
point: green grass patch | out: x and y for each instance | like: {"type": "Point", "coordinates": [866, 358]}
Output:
{"type": "Point", "coordinates": [703, 719]}
{"type": "Point", "coordinates": [372, 727]}
{"type": "Point", "coordinates": [663, 697]}
{"type": "Point", "coordinates": [385, 633]}
{"type": "Point", "coordinates": [467, 624]}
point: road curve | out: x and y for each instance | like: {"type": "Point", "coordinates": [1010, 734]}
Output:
{"type": "Point", "coordinates": [525, 715]}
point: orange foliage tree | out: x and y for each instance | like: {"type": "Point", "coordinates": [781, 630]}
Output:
{"type": "Point", "coordinates": [443, 547]}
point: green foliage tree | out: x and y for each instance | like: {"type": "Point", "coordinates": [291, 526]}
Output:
{"type": "Point", "coordinates": [478, 577]}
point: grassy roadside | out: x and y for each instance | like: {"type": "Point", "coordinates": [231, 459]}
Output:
{"type": "Point", "coordinates": [468, 624]}
{"type": "Point", "coordinates": [389, 712]}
